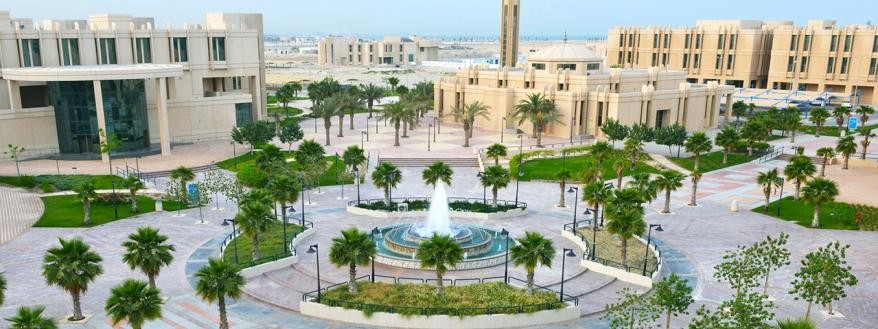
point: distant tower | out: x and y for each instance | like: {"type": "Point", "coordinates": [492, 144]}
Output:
{"type": "Point", "coordinates": [509, 33]}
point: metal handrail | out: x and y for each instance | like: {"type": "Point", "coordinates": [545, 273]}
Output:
{"type": "Point", "coordinates": [587, 255]}
{"type": "Point", "coordinates": [266, 259]}
{"type": "Point", "coordinates": [771, 155]}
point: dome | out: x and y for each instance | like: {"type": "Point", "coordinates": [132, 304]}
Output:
{"type": "Point", "coordinates": [566, 52]}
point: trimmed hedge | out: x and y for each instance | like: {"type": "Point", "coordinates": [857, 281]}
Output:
{"type": "Point", "coordinates": [867, 217]}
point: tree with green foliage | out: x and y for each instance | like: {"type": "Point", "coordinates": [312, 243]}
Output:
{"type": "Point", "coordinates": [793, 123]}
{"type": "Point", "coordinates": [496, 151]}
{"type": "Point", "coordinates": [739, 108]}
{"type": "Point", "coordinates": [619, 167]}
{"type": "Point", "coordinates": [641, 132]}
{"type": "Point", "coordinates": [864, 111]}
{"type": "Point", "coordinates": [672, 295]}
{"type": "Point", "coordinates": [591, 172]}
{"type": "Point", "coordinates": [325, 110]}
{"type": "Point", "coordinates": [441, 253]}
{"type": "Point", "coordinates": [695, 176]}
{"type": "Point", "coordinates": [255, 133]}
{"type": "Point", "coordinates": [846, 147]}
{"type": "Point", "coordinates": [532, 250]}
{"type": "Point", "coordinates": [631, 311]}
{"type": "Point", "coordinates": [768, 180]}
{"type": "Point", "coordinates": [614, 130]}
{"type": "Point", "coordinates": [840, 113]}
{"type": "Point", "coordinates": [397, 113]}
{"type": "Point", "coordinates": [253, 220]}
{"type": "Point", "coordinates": [353, 248]}
{"type": "Point", "coordinates": [86, 193]}
{"type": "Point", "coordinates": [13, 153]}
{"type": "Point", "coordinates": [823, 277]}
{"type": "Point", "coordinates": [746, 310]}
{"type": "Point", "coordinates": [643, 183]}
{"type": "Point", "coordinates": [795, 324]}
{"type": "Point", "coordinates": [216, 281]}
{"type": "Point", "coordinates": [346, 102]}
{"type": "Point", "coordinates": [600, 151]}
{"type": "Point", "coordinates": [437, 172]}
{"type": "Point", "coordinates": [819, 191]}
{"type": "Point", "coordinates": [495, 177]}
{"type": "Point", "coordinates": [818, 117]}
{"type": "Point", "coordinates": [285, 190]}
{"type": "Point", "coordinates": [563, 176]}
{"type": "Point", "coordinates": [290, 132]}
{"type": "Point", "coordinates": [727, 138]}
{"type": "Point", "coordinates": [668, 181]}
{"type": "Point", "coordinates": [31, 318]}
{"type": "Point", "coordinates": [309, 152]}
{"type": "Point", "coordinates": [371, 93]}
{"type": "Point", "coordinates": [393, 81]}
{"type": "Point", "coordinates": [134, 301]}
{"type": "Point", "coordinates": [752, 132]}
{"type": "Point", "coordinates": [148, 251]}
{"type": "Point", "coordinates": [669, 136]}
{"type": "Point", "coordinates": [133, 184]}
{"type": "Point", "coordinates": [867, 133]}
{"type": "Point", "coordinates": [596, 194]}
{"type": "Point", "coordinates": [467, 115]}
{"type": "Point", "coordinates": [826, 153]}
{"type": "Point", "coordinates": [634, 151]}
{"type": "Point", "coordinates": [540, 111]}
{"type": "Point", "coordinates": [321, 90]}
{"type": "Point", "coordinates": [697, 144]}
{"type": "Point", "coordinates": [284, 95]}
{"type": "Point", "coordinates": [72, 266]}
{"type": "Point", "coordinates": [353, 102]}
{"type": "Point", "coordinates": [625, 212]}
{"type": "Point", "coordinates": [799, 170]}
{"type": "Point", "coordinates": [740, 268]}
{"type": "Point", "coordinates": [386, 176]}
{"type": "Point", "coordinates": [109, 143]}
{"type": "Point", "coordinates": [353, 157]}
{"type": "Point", "coordinates": [183, 175]}
{"type": "Point", "coordinates": [771, 253]}
{"type": "Point", "coordinates": [2, 288]}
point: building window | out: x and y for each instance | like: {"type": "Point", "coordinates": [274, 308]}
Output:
{"type": "Point", "coordinates": [833, 43]}
{"type": "Point", "coordinates": [733, 40]}
{"type": "Point", "coordinates": [218, 51]}
{"type": "Point", "coordinates": [592, 66]}
{"type": "Point", "coordinates": [803, 67]}
{"type": "Point", "coordinates": [69, 52]}
{"type": "Point", "coordinates": [875, 44]}
{"type": "Point", "coordinates": [667, 41]}
{"type": "Point", "coordinates": [698, 38]}
{"type": "Point", "coordinates": [730, 63]}
{"type": "Point", "coordinates": [791, 64]}
{"type": "Point", "coordinates": [621, 40]}
{"type": "Point", "coordinates": [629, 58]}
{"type": "Point", "coordinates": [806, 45]}
{"type": "Point", "coordinates": [181, 51]}
{"type": "Point", "coordinates": [236, 83]}
{"type": "Point", "coordinates": [873, 66]}
{"type": "Point", "coordinates": [654, 59]}
{"type": "Point", "coordinates": [830, 65]}
{"type": "Point", "coordinates": [567, 66]}
{"type": "Point", "coordinates": [620, 58]}
{"type": "Point", "coordinates": [844, 65]}
{"type": "Point", "coordinates": [848, 42]}
{"type": "Point", "coordinates": [243, 113]}
{"type": "Point", "coordinates": [686, 41]}
{"type": "Point", "coordinates": [794, 41]}
{"type": "Point", "coordinates": [30, 53]}
{"type": "Point", "coordinates": [719, 62]}
{"type": "Point", "coordinates": [107, 48]}
{"type": "Point", "coordinates": [350, 48]}
{"type": "Point", "coordinates": [655, 40]}
{"type": "Point", "coordinates": [411, 58]}
{"type": "Point", "coordinates": [685, 61]}
{"type": "Point", "coordinates": [664, 59]}
{"type": "Point", "coordinates": [697, 61]}
{"type": "Point", "coordinates": [144, 50]}
{"type": "Point", "coordinates": [538, 66]}
{"type": "Point", "coordinates": [721, 41]}
{"type": "Point", "coordinates": [630, 39]}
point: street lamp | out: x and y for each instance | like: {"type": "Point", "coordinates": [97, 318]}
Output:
{"type": "Point", "coordinates": [234, 154]}
{"type": "Point", "coordinates": [574, 189]}
{"type": "Point", "coordinates": [780, 196]}
{"type": "Point", "coordinates": [356, 172]}
{"type": "Point", "coordinates": [567, 253]}
{"type": "Point", "coordinates": [484, 188]}
{"type": "Point", "coordinates": [375, 232]}
{"type": "Point", "coordinates": [502, 129]}
{"type": "Point", "coordinates": [313, 249]}
{"type": "Point", "coordinates": [362, 134]}
{"type": "Point", "coordinates": [520, 173]}
{"type": "Point", "coordinates": [302, 197]}
{"type": "Point", "coordinates": [505, 235]}
{"type": "Point", "coordinates": [429, 128]}
{"type": "Point", "coordinates": [286, 215]}
{"type": "Point", "coordinates": [658, 228]}
{"type": "Point", "coordinates": [115, 207]}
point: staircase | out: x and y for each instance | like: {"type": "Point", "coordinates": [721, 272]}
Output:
{"type": "Point", "coordinates": [786, 157]}
{"type": "Point", "coordinates": [424, 162]}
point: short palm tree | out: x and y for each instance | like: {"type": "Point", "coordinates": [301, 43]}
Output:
{"type": "Point", "coordinates": [253, 220]}
{"type": "Point", "coordinates": [600, 151]}
{"type": "Point", "coordinates": [668, 181]}
{"type": "Point", "coordinates": [596, 194]}
{"type": "Point", "coordinates": [135, 301]}
{"type": "Point", "coordinates": [441, 253]}
{"type": "Point", "coordinates": [867, 133]}
{"type": "Point", "coordinates": [397, 114]}
{"type": "Point", "coordinates": [793, 123]}
{"type": "Point", "coordinates": [436, 172]}
{"type": "Point", "coordinates": [386, 176]}
{"type": "Point", "coordinates": [325, 110]}
{"type": "Point", "coordinates": [864, 112]}
{"type": "Point", "coordinates": [183, 175]}
{"type": "Point", "coordinates": [284, 190]}
{"type": "Point", "coordinates": [768, 180]}
{"type": "Point", "coordinates": [563, 176]}
{"type": "Point", "coordinates": [353, 157]}
{"type": "Point", "coordinates": [727, 138]}
{"type": "Point", "coordinates": [495, 177]}
{"type": "Point", "coordinates": [826, 153]}
{"type": "Point", "coordinates": [467, 115]}
{"type": "Point", "coordinates": [353, 248]}
{"type": "Point", "coordinates": [72, 266]}
{"type": "Point", "coordinates": [846, 147]}
{"type": "Point", "coordinates": [840, 113]}
{"type": "Point", "coordinates": [31, 318]}
{"type": "Point", "coordinates": [819, 191]}
{"type": "Point", "coordinates": [633, 149]}
{"type": "Point", "coordinates": [752, 132]}
{"type": "Point", "coordinates": [696, 177]}
{"type": "Point", "coordinates": [370, 93]}
{"type": "Point", "coordinates": [216, 281]}
{"type": "Point", "coordinates": [818, 118]}
{"type": "Point", "coordinates": [149, 251]}
{"type": "Point", "coordinates": [697, 144]}
{"type": "Point", "coordinates": [540, 111]}
{"type": "Point", "coordinates": [591, 172]}
{"type": "Point", "coordinates": [532, 250]}
{"type": "Point", "coordinates": [799, 169]}
{"type": "Point", "coordinates": [643, 182]}
{"type": "Point", "coordinates": [86, 193]}
{"type": "Point", "coordinates": [133, 184]}
{"type": "Point", "coordinates": [619, 166]}
{"type": "Point", "coordinates": [625, 213]}
{"type": "Point", "coordinates": [496, 151]}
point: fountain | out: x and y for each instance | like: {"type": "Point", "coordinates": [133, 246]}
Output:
{"type": "Point", "coordinates": [398, 243]}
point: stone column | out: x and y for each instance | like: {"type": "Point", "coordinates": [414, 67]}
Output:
{"type": "Point", "coordinates": [161, 89]}
{"type": "Point", "coordinates": [101, 117]}
{"type": "Point", "coordinates": [728, 107]}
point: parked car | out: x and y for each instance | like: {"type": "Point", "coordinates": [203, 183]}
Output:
{"type": "Point", "coordinates": [846, 104]}
{"type": "Point", "coordinates": [819, 101]}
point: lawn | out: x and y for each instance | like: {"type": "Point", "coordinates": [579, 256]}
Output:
{"type": "Point", "coordinates": [270, 244]}
{"type": "Point", "coordinates": [547, 169]}
{"type": "Point", "coordinates": [273, 99]}
{"type": "Point", "coordinates": [51, 183]}
{"type": "Point", "coordinates": [66, 211]}
{"type": "Point", "coordinates": [284, 111]}
{"type": "Point", "coordinates": [609, 248]}
{"type": "Point", "coordinates": [329, 175]}
{"type": "Point", "coordinates": [713, 161]}
{"type": "Point", "coordinates": [833, 215]}
{"type": "Point", "coordinates": [419, 298]}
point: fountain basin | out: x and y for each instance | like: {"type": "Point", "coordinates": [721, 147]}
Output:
{"type": "Point", "coordinates": [398, 244]}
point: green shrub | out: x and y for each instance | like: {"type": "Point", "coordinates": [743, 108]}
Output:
{"type": "Point", "coordinates": [579, 149]}
{"type": "Point", "coordinates": [795, 324]}
{"type": "Point", "coordinates": [27, 181]}
{"type": "Point", "coordinates": [252, 177]}
{"type": "Point", "coordinates": [46, 187]}
{"type": "Point", "coordinates": [868, 217]}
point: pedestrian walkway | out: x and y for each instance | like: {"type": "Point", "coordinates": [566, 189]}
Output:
{"type": "Point", "coordinates": [19, 209]}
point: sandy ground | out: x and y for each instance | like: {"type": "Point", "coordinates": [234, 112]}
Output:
{"type": "Point", "coordinates": [858, 184]}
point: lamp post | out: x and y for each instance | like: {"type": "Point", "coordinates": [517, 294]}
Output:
{"type": "Point", "coordinates": [567, 253]}
{"type": "Point", "coordinates": [658, 228]}
{"type": "Point", "coordinates": [780, 196]}
{"type": "Point", "coordinates": [505, 234]}
{"type": "Point", "coordinates": [438, 128]}
{"type": "Point", "coordinates": [302, 197]}
{"type": "Point", "coordinates": [356, 172]}
{"type": "Point", "coordinates": [313, 249]}
{"type": "Point", "coordinates": [115, 207]}
{"type": "Point", "coordinates": [234, 154]}
{"type": "Point", "coordinates": [520, 173]}
{"type": "Point", "coordinates": [362, 143]}
{"type": "Point", "coordinates": [429, 128]}
{"type": "Point", "coordinates": [574, 189]}
{"type": "Point", "coordinates": [502, 129]}
{"type": "Point", "coordinates": [234, 235]}
{"type": "Point", "coordinates": [484, 188]}
{"type": "Point", "coordinates": [375, 232]}
{"type": "Point", "coordinates": [286, 216]}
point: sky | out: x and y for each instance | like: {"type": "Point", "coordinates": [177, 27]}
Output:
{"type": "Point", "coordinates": [453, 17]}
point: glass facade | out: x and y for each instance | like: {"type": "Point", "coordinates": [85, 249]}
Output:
{"type": "Point", "coordinates": [243, 113]}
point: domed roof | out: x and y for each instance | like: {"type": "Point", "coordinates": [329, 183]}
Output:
{"type": "Point", "coordinates": [566, 52]}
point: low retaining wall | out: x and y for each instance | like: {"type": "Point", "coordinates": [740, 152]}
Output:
{"type": "Point", "coordinates": [383, 319]}
{"type": "Point", "coordinates": [617, 273]}
{"type": "Point", "coordinates": [423, 213]}
{"type": "Point", "coordinates": [466, 264]}
{"type": "Point", "coordinates": [252, 272]}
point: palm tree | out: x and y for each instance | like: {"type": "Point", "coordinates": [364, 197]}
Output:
{"type": "Point", "coordinates": [295, 87]}
{"type": "Point", "coordinates": [867, 133]}
{"type": "Point", "coordinates": [768, 180]}
{"type": "Point", "coordinates": [540, 111]}
{"type": "Point", "coordinates": [345, 101]}
{"type": "Point", "coordinates": [441, 253]}
{"type": "Point", "coordinates": [325, 110]}
{"type": "Point", "coordinates": [468, 115]}
{"type": "Point", "coordinates": [696, 177]}
{"type": "Point", "coordinates": [183, 175]}
{"type": "Point", "coordinates": [72, 266]}
{"type": "Point", "coordinates": [619, 166]}
{"type": "Point", "coordinates": [563, 176]}
{"type": "Point", "coordinates": [727, 138]}
{"type": "Point", "coordinates": [795, 324]}
{"type": "Point", "coordinates": [133, 184]}
{"type": "Point", "coordinates": [148, 250]}
{"type": "Point", "coordinates": [2, 288]}
{"type": "Point", "coordinates": [410, 115]}
{"type": "Point", "coordinates": [284, 95]}
{"type": "Point", "coordinates": [353, 103]}
{"type": "Point", "coordinates": [826, 153]}
{"type": "Point", "coordinates": [532, 250]}
{"type": "Point", "coordinates": [819, 191]}
{"type": "Point", "coordinates": [495, 177]}
{"type": "Point", "coordinates": [840, 113]}
{"type": "Point", "coordinates": [31, 318]}
{"type": "Point", "coordinates": [697, 144]}
{"type": "Point", "coordinates": [353, 157]}
{"type": "Point", "coordinates": [864, 112]}
{"type": "Point", "coordinates": [596, 193]}
{"type": "Point", "coordinates": [135, 301]}
{"type": "Point", "coordinates": [386, 176]}
{"type": "Point", "coordinates": [216, 281]}
{"type": "Point", "coordinates": [496, 151]}
{"type": "Point", "coordinates": [846, 147]}
{"type": "Point", "coordinates": [371, 93]}
{"type": "Point", "coordinates": [591, 172]}
{"type": "Point", "coordinates": [438, 171]}
{"type": "Point", "coordinates": [352, 248]}
{"type": "Point", "coordinates": [818, 118]}
{"type": "Point", "coordinates": [799, 169]}
{"type": "Point", "coordinates": [792, 123]}
{"type": "Point", "coordinates": [643, 183]}
{"type": "Point", "coordinates": [668, 181]}
{"type": "Point", "coordinates": [86, 193]}
{"type": "Point", "coordinates": [393, 81]}
{"type": "Point", "coordinates": [284, 190]}
{"type": "Point", "coordinates": [397, 114]}
{"type": "Point", "coordinates": [600, 151]}
{"type": "Point", "coordinates": [253, 220]}
{"type": "Point", "coordinates": [753, 131]}
{"type": "Point", "coordinates": [625, 212]}
{"type": "Point", "coordinates": [634, 150]}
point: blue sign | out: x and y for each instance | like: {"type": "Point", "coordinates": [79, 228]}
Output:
{"type": "Point", "coordinates": [192, 192]}
{"type": "Point", "coordinates": [853, 122]}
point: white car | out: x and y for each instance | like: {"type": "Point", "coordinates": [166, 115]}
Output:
{"type": "Point", "coordinates": [846, 104]}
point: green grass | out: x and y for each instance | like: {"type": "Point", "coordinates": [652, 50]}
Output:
{"type": "Point", "coordinates": [64, 182]}
{"type": "Point", "coordinates": [270, 244]}
{"type": "Point", "coordinates": [713, 161]}
{"type": "Point", "coordinates": [833, 215]}
{"type": "Point", "coordinates": [348, 112]}
{"type": "Point", "coordinates": [547, 169]}
{"type": "Point", "coordinates": [293, 111]}
{"type": "Point", "coordinates": [609, 248]}
{"type": "Point", "coordinates": [327, 179]}
{"type": "Point", "coordinates": [829, 130]}
{"type": "Point", "coordinates": [273, 99]}
{"type": "Point", "coordinates": [412, 299]}
{"type": "Point", "coordinates": [66, 211]}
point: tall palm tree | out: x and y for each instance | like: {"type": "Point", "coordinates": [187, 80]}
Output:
{"type": "Point", "coordinates": [532, 250]}
{"type": "Point", "coordinates": [441, 253]}
{"type": "Point", "coordinates": [183, 175]}
{"type": "Point", "coordinates": [727, 138]}
{"type": "Point", "coordinates": [600, 151]}
{"type": "Point", "coordinates": [468, 115]}
{"type": "Point", "coordinates": [397, 114]}
{"type": "Point", "coordinates": [253, 220]}
{"type": "Point", "coordinates": [72, 266]}
{"type": "Point", "coordinates": [354, 103]}
{"type": "Point", "coordinates": [353, 157]}
{"type": "Point", "coordinates": [826, 153]}
{"type": "Point", "coordinates": [867, 133]}
{"type": "Point", "coordinates": [31, 318]}
{"type": "Point", "coordinates": [864, 112]}
{"type": "Point", "coordinates": [133, 184]}
{"type": "Point", "coordinates": [371, 93]}
{"type": "Point", "coordinates": [216, 281]}
{"type": "Point", "coordinates": [352, 248]}
{"type": "Point", "coordinates": [596, 194]}
{"type": "Point", "coordinates": [643, 183]}
{"type": "Point", "coordinates": [799, 169]}
{"type": "Point", "coordinates": [540, 111]}
{"type": "Point", "coordinates": [840, 113]}
{"type": "Point", "coordinates": [438, 171]}
{"type": "Point", "coordinates": [819, 191]}
{"type": "Point", "coordinates": [284, 189]}
{"type": "Point", "coordinates": [563, 176]}
{"type": "Point", "coordinates": [284, 95]}
{"type": "Point", "coordinates": [768, 180]}
{"type": "Point", "coordinates": [591, 172]}
{"type": "Point", "coordinates": [295, 87]}
{"type": "Point", "coordinates": [625, 212]}
{"type": "Point", "coordinates": [325, 110]}
{"type": "Point", "coordinates": [496, 151]}
{"type": "Point", "coordinates": [412, 108]}
{"type": "Point", "coordinates": [619, 166]}
{"type": "Point", "coordinates": [697, 144]}
{"type": "Point", "coordinates": [668, 181]}
{"type": "Point", "coordinates": [793, 123]}
{"type": "Point", "coordinates": [696, 177]}
{"type": "Point", "coordinates": [149, 251]}
{"type": "Point", "coordinates": [386, 176]}
{"type": "Point", "coordinates": [633, 149]}
{"type": "Point", "coordinates": [393, 81]}
{"type": "Point", "coordinates": [846, 147]}
{"type": "Point", "coordinates": [86, 193]}
{"type": "Point", "coordinates": [495, 177]}
{"type": "Point", "coordinates": [818, 118]}
{"type": "Point", "coordinates": [135, 301]}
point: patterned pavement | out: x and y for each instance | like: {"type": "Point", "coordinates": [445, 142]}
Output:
{"type": "Point", "coordinates": [19, 209]}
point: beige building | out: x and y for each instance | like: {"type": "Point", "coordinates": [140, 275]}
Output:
{"type": "Point", "coordinates": [586, 93]}
{"type": "Point", "coordinates": [64, 81]}
{"type": "Point", "coordinates": [390, 51]}
{"type": "Point", "coordinates": [509, 28]}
